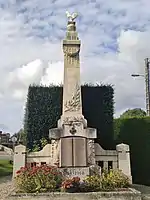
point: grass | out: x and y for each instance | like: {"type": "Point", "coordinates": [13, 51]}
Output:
{"type": "Point", "coordinates": [5, 168]}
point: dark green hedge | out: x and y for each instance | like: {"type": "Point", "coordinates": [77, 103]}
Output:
{"type": "Point", "coordinates": [136, 133]}
{"type": "Point", "coordinates": [43, 109]}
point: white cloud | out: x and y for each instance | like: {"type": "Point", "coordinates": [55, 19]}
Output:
{"type": "Point", "coordinates": [53, 74]}
{"type": "Point", "coordinates": [115, 41]}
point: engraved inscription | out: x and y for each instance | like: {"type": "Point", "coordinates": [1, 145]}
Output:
{"type": "Point", "coordinates": [76, 171]}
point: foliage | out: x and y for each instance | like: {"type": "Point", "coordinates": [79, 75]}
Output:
{"type": "Point", "coordinates": [38, 179]}
{"type": "Point", "coordinates": [136, 112]}
{"type": "Point", "coordinates": [22, 136]}
{"type": "Point", "coordinates": [44, 142]}
{"type": "Point", "coordinates": [42, 111]}
{"type": "Point", "coordinates": [5, 168]}
{"type": "Point", "coordinates": [44, 105]}
{"type": "Point", "coordinates": [49, 179]}
{"type": "Point", "coordinates": [136, 133]}
{"type": "Point", "coordinates": [36, 146]}
{"type": "Point", "coordinates": [109, 180]}
{"type": "Point", "coordinates": [113, 179]}
{"type": "Point", "coordinates": [92, 183]}
{"type": "Point", "coordinates": [71, 183]}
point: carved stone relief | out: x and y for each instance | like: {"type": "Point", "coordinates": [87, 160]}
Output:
{"type": "Point", "coordinates": [74, 103]}
{"type": "Point", "coordinates": [55, 151]}
{"type": "Point", "coordinates": [91, 155]}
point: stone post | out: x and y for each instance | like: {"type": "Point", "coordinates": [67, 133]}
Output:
{"type": "Point", "coordinates": [124, 159]}
{"type": "Point", "coordinates": [19, 158]}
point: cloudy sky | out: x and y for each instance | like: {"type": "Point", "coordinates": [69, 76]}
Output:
{"type": "Point", "coordinates": [115, 40]}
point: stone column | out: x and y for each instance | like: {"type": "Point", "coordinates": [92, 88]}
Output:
{"type": "Point", "coordinates": [124, 159]}
{"type": "Point", "coordinates": [106, 165]}
{"type": "Point", "coordinates": [71, 90]}
{"type": "Point", "coordinates": [115, 164]}
{"type": "Point", "coordinates": [72, 102]}
{"type": "Point", "coordinates": [19, 158]}
{"type": "Point", "coordinates": [72, 128]}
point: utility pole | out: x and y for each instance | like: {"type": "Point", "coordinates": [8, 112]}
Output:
{"type": "Point", "coordinates": [146, 75]}
{"type": "Point", "coordinates": [147, 83]}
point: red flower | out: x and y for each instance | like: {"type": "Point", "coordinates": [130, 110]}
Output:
{"type": "Point", "coordinates": [18, 172]}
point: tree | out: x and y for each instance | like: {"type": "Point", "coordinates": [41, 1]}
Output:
{"type": "Point", "coordinates": [136, 112]}
{"type": "Point", "coordinates": [21, 136]}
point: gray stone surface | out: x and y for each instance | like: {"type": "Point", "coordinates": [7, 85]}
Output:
{"type": "Point", "coordinates": [79, 152]}
{"type": "Point", "coordinates": [145, 190]}
{"type": "Point", "coordinates": [125, 195]}
{"type": "Point", "coordinates": [6, 187]}
{"type": "Point", "coordinates": [73, 152]}
{"type": "Point", "coordinates": [124, 159]}
{"type": "Point", "coordinates": [66, 152]}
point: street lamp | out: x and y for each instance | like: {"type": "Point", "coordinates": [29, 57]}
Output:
{"type": "Point", "coordinates": [147, 84]}
{"type": "Point", "coordinates": [14, 140]}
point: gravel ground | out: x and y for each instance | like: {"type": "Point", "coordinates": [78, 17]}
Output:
{"type": "Point", "coordinates": [6, 187]}
{"type": "Point", "coordinates": [145, 190]}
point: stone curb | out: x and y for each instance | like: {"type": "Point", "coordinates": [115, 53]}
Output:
{"type": "Point", "coordinates": [131, 193]}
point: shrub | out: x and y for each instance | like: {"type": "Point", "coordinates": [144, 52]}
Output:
{"type": "Point", "coordinates": [136, 133]}
{"type": "Point", "coordinates": [114, 179]}
{"type": "Point", "coordinates": [38, 179]}
{"type": "Point", "coordinates": [44, 107]}
{"type": "Point", "coordinates": [109, 180]}
{"type": "Point", "coordinates": [71, 184]}
{"type": "Point", "coordinates": [48, 179]}
{"type": "Point", "coordinates": [92, 183]}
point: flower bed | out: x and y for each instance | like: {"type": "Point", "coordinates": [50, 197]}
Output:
{"type": "Point", "coordinates": [38, 179]}
{"type": "Point", "coordinates": [49, 179]}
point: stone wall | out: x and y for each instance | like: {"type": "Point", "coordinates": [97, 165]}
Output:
{"type": "Point", "coordinates": [115, 159]}
{"type": "Point", "coordinates": [22, 158]}
{"type": "Point", "coordinates": [40, 157]}
{"type": "Point", "coordinates": [106, 158]}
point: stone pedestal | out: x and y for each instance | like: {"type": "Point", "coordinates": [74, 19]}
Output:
{"type": "Point", "coordinates": [75, 150]}
{"type": "Point", "coordinates": [19, 158]}
{"type": "Point", "coordinates": [124, 159]}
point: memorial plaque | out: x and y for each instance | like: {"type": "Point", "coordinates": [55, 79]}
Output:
{"type": "Point", "coordinates": [81, 172]}
{"type": "Point", "coordinates": [79, 152]}
{"type": "Point", "coordinates": [66, 153]}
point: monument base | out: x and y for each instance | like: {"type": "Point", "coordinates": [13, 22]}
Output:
{"type": "Point", "coordinates": [129, 193]}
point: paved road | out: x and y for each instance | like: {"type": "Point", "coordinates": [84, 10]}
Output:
{"type": "Point", "coordinates": [145, 190]}
{"type": "Point", "coordinates": [5, 156]}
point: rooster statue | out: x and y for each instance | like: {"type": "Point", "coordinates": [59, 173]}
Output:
{"type": "Point", "coordinates": [71, 17]}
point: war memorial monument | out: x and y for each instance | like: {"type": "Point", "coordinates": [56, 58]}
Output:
{"type": "Point", "coordinates": [72, 147]}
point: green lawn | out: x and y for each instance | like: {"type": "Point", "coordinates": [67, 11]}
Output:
{"type": "Point", "coordinates": [5, 168]}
